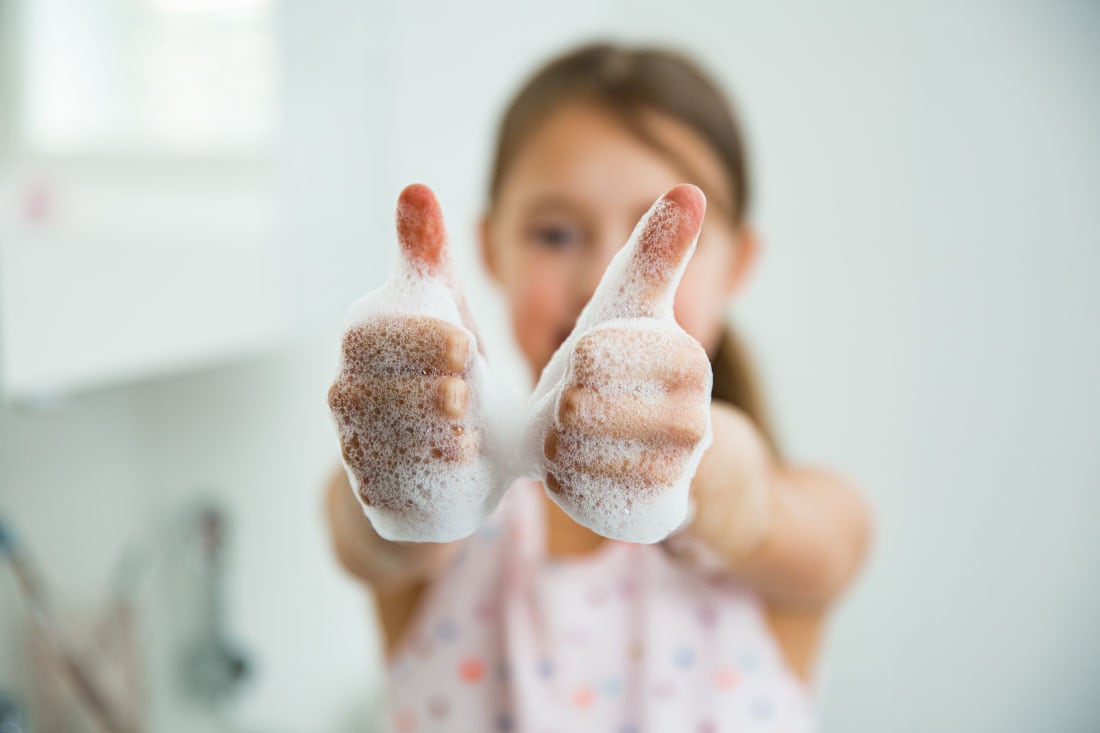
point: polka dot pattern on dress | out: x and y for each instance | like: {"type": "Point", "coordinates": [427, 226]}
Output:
{"type": "Point", "coordinates": [508, 642]}
{"type": "Point", "coordinates": [471, 669]}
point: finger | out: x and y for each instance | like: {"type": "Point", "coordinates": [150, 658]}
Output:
{"type": "Point", "coordinates": [665, 420]}
{"type": "Point", "coordinates": [643, 284]}
{"type": "Point", "coordinates": [370, 451]}
{"type": "Point", "coordinates": [389, 399]}
{"type": "Point", "coordinates": [406, 345]}
{"type": "Point", "coordinates": [554, 485]}
{"type": "Point", "coordinates": [567, 490]}
{"type": "Point", "coordinates": [420, 229]}
{"type": "Point", "coordinates": [423, 239]}
{"type": "Point", "coordinates": [351, 448]}
{"type": "Point", "coordinates": [575, 455]}
{"type": "Point", "coordinates": [399, 400]}
{"type": "Point", "coordinates": [675, 359]}
{"type": "Point", "coordinates": [376, 476]}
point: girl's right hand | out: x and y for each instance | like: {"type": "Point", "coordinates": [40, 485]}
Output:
{"type": "Point", "coordinates": [406, 401]}
{"type": "Point", "coordinates": [430, 383]}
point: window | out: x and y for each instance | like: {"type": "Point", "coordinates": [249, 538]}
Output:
{"type": "Point", "coordinates": [191, 77]}
{"type": "Point", "coordinates": [137, 206]}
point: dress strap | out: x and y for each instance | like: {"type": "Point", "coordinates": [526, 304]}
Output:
{"type": "Point", "coordinates": [526, 524]}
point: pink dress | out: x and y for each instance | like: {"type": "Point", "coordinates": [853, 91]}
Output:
{"type": "Point", "coordinates": [625, 640]}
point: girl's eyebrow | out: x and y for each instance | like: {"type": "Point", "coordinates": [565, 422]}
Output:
{"type": "Point", "coordinates": [551, 203]}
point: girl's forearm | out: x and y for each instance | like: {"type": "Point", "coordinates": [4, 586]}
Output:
{"type": "Point", "coordinates": [796, 536]}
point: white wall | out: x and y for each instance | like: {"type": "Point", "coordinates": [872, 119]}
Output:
{"type": "Point", "coordinates": [926, 316]}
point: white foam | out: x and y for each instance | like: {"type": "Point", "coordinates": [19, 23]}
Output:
{"type": "Point", "coordinates": [640, 492]}
{"type": "Point", "coordinates": [419, 474]}
{"type": "Point", "coordinates": [422, 475]}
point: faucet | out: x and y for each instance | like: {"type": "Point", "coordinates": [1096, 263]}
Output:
{"type": "Point", "coordinates": [214, 668]}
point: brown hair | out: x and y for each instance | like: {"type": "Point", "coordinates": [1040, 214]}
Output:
{"type": "Point", "coordinates": [627, 83]}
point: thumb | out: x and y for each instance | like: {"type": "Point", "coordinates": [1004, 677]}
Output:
{"type": "Point", "coordinates": [420, 231]}
{"type": "Point", "coordinates": [642, 279]}
{"type": "Point", "coordinates": [423, 240]}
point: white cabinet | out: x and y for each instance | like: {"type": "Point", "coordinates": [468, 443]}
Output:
{"type": "Point", "coordinates": [137, 197]}
{"type": "Point", "coordinates": [115, 272]}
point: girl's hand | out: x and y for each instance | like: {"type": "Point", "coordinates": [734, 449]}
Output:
{"type": "Point", "coordinates": [625, 403]}
{"type": "Point", "coordinates": [407, 399]}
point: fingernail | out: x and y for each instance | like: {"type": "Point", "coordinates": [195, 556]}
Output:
{"type": "Point", "coordinates": [454, 396]}
{"type": "Point", "coordinates": [458, 348]}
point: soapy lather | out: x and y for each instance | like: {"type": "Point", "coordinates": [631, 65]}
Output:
{"type": "Point", "coordinates": [615, 427]}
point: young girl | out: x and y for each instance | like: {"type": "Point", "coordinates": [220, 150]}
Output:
{"type": "Point", "coordinates": [536, 623]}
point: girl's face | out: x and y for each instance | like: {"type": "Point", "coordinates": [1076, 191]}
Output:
{"type": "Point", "coordinates": [568, 202]}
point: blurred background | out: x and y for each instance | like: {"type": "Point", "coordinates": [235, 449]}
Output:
{"type": "Point", "coordinates": [193, 191]}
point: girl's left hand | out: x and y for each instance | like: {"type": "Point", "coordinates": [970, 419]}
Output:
{"type": "Point", "coordinates": [632, 411]}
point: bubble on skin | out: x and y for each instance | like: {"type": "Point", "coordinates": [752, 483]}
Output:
{"type": "Point", "coordinates": [645, 263]}
{"type": "Point", "coordinates": [422, 475]}
{"type": "Point", "coordinates": [622, 500]}
{"type": "Point", "coordinates": [419, 474]}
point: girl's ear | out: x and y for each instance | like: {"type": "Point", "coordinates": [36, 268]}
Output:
{"type": "Point", "coordinates": [744, 259]}
{"type": "Point", "coordinates": [485, 247]}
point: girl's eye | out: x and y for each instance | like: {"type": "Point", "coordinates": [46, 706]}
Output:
{"type": "Point", "coordinates": [554, 236]}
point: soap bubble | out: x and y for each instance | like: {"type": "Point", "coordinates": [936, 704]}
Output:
{"type": "Point", "coordinates": [615, 428]}
{"type": "Point", "coordinates": [620, 417]}
{"type": "Point", "coordinates": [410, 401]}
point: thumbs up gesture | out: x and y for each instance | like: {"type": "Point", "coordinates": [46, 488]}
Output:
{"type": "Point", "coordinates": [409, 401]}
{"type": "Point", "coordinates": [621, 413]}
{"type": "Point", "coordinates": [616, 426]}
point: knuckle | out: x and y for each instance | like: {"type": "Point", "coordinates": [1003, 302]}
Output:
{"type": "Point", "coordinates": [569, 406]}
{"type": "Point", "coordinates": [698, 363]}
{"type": "Point", "coordinates": [693, 426]}
{"type": "Point", "coordinates": [342, 398]}
{"type": "Point", "coordinates": [698, 429]}
{"type": "Point", "coordinates": [555, 486]}
{"type": "Point", "coordinates": [335, 396]}
{"type": "Point", "coordinates": [693, 373]}
{"type": "Point", "coordinates": [584, 351]}
{"type": "Point", "coordinates": [351, 448]}
{"type": "Point", "coordinates": [357, 338]}
{"type": "Point", "coordinates": [367, 457]}
{"type": "Point", "coordinates": [665, 467]}
{"type": "Point", "coordinates": [550, 445]}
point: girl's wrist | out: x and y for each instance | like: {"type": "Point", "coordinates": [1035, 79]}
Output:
{"type": "Point", "coordinates": [731, 494]}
